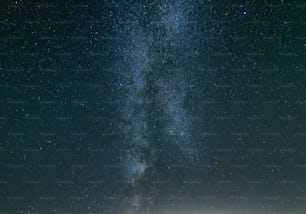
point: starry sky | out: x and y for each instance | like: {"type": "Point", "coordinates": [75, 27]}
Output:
{"type": "Point", "coordinates": [153, 107]}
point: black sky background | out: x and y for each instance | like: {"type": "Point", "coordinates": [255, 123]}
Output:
{"type": "Point", "coordinates": [62, 91]}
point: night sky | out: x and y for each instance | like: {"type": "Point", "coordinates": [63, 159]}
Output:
{"type": "Point", "coordinates": [153, 107]}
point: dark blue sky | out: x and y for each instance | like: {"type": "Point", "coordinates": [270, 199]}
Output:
{"type": "Point", "coordinates": [152, 107]}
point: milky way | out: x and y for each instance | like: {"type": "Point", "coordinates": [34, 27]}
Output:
{"type": "Point", "coordinates": [134, 109]}
{"type": "Point", "coordinates": [173, 15]}
{"type": "Point", "coordinates": [171, 87]}
{"type": "Point", "coordinates": [152, 107]}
